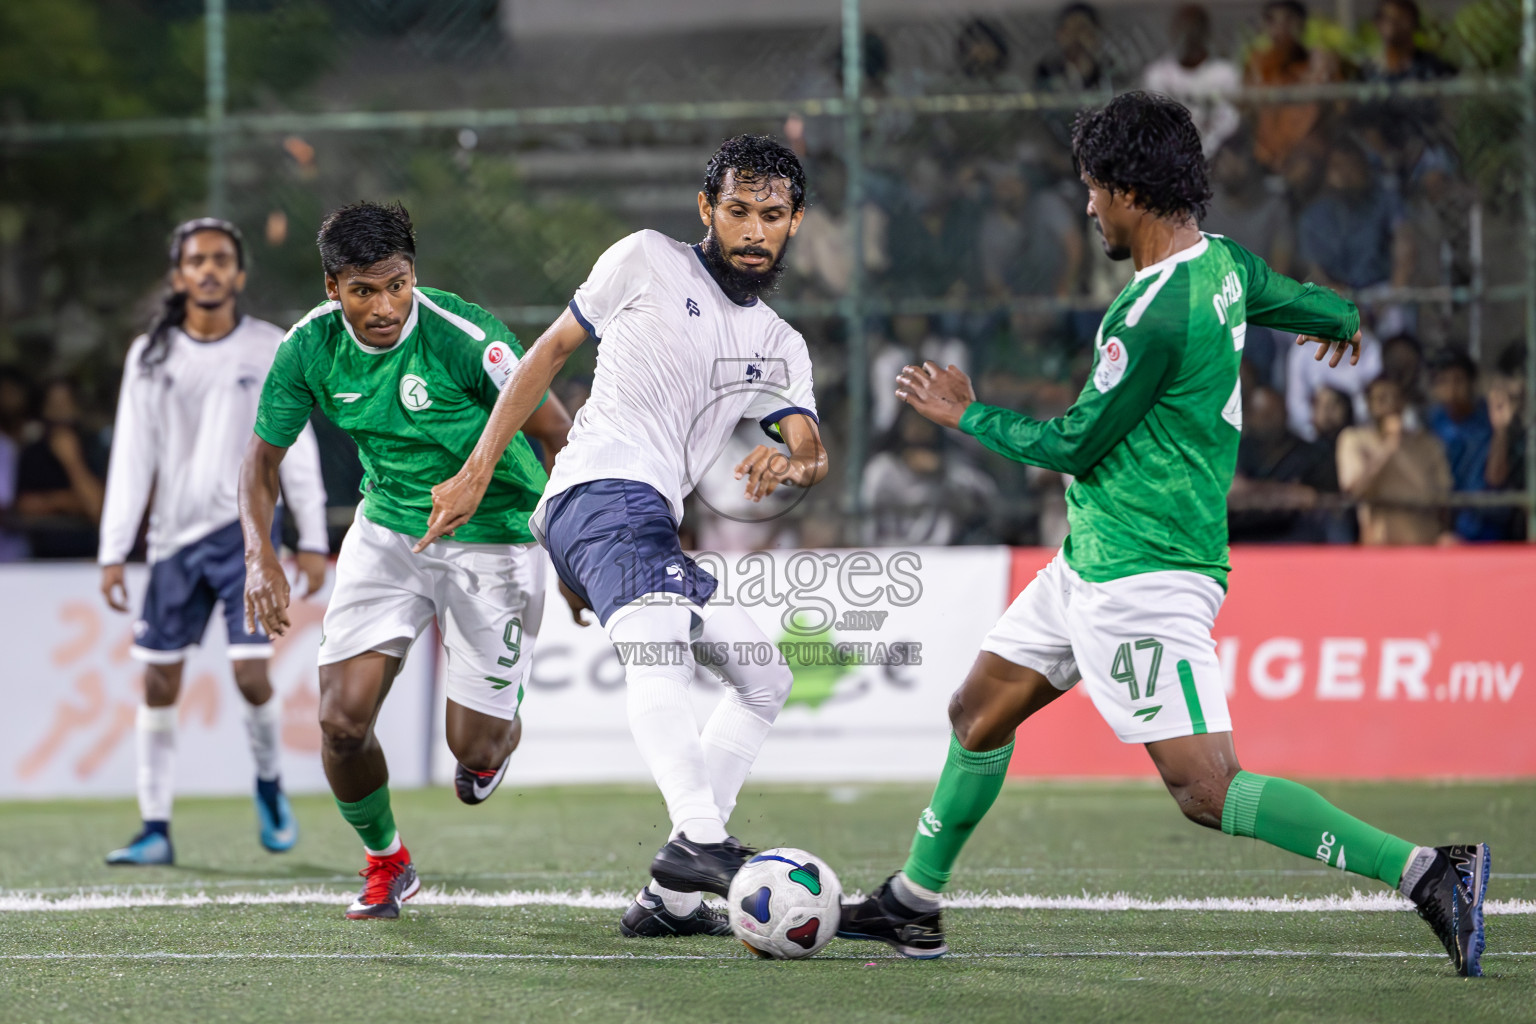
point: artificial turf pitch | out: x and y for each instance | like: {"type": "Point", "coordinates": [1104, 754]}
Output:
{"type": "Point", "coordinates": [302, 961]}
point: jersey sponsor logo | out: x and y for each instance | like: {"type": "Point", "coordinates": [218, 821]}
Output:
{"type": "Point", "coordinates": [692, 307]}
{"type": "Point", "coordinates": [731, 372]}
{"type": "Point", "coordinates": [413, 393]}
{"type": "Point", "coordinates": [348, 397]}
{"type": "Point", "coordinates": [1113, 360]}
{"type": "Point", "coordinates": [499, 362]}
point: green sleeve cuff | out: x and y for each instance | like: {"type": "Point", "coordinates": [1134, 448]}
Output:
{"type": "Point", "coordinates": [272, 437]}
{"type": "Point", "coordinates": [972, 416]}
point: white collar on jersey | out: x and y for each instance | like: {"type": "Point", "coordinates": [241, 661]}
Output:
{"type": "Point", "coordinates": [405, 332]}
{"type": "Point", "coordinates": [1198, 249]}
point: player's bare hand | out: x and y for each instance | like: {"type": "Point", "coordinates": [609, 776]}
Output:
{"type": "Point", "coordinates": [766, 468]}
{"type": "Point", "coordinates": [312, 567]}
{"type": "Point", "coordinates": [453, 503]}
{"type": "Point", "coordinates": [577, 604]}
{"type": "Point", "coordinates": [266, 594]}
{"type": "Point", "coordinates": [113, 588]}
{"type": "Point", "coordinates": [1352, 346]}
{"type": "Point", "coordinates": [940, 395]}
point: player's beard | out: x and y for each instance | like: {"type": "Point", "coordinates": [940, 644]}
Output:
{"type": "Point", "coordinates": [740, 285]}
{"type": "Point", "coordinates": [1117, 253]}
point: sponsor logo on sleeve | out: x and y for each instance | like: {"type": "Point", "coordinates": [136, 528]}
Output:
{"type": "Point", "coordinates": [499, 362]}
{"type": "Point", "coordinates": [1113, 360]}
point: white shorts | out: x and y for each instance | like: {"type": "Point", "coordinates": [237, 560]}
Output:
{"type": "Point", "coordinates": [1142, 642]}
{"type": "Point", "coordinates": [488, 600]}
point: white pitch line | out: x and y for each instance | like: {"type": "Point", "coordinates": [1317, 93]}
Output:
{"type": "Point", "coordinates": [21, 902]}
{"type": "Point", "coordinates": [1089, 954]}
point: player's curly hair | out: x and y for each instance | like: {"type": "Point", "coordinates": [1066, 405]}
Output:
{"type": "Point", "coordinates": [364, 233]}
{"type": "Point", "coordinates": [1145, 144]}
{"type": "Point", "coordinates": [754, 158]}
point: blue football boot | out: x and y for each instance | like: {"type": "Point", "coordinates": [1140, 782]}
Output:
{"type": "Point", "coordinates": [279, 828]}
{"type": "Point", "coordinates": [147, 848]}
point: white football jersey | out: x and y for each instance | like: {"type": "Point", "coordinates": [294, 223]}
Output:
{"type": "Point", "coordinates": [678, 366]}
{"type": "Point", "coordinates": [182, 429]}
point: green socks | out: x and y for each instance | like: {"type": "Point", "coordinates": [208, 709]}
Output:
{"type": "Point", "coordinates": [1291, 816]}
{"type": "Point", "coordinates": [967, 788]}
{"type": "Point", "coordinates": [374, 821]}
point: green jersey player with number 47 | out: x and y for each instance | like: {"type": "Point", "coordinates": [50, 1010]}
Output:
{"type": "Point", "coordinates": [411, 374]}
{"type": "Point", "coordinates": [1128, 605]}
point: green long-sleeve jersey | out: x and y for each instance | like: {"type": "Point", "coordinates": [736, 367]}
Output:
{"type": "Point", "coordinates": [1152, 440]}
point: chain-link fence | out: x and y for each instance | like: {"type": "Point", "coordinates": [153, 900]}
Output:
{"type": "Point", "coordinates": [946, 220]}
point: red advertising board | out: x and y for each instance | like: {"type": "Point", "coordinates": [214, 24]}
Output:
{"type": "Point", "coordinates": [1347, 663]}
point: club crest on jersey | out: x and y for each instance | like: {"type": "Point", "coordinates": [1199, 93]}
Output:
{"type": "Point", "coordinates": [692, 307]}
{"type": "Point", "coordinates": [1113, 360]}
{"type": "Point", "coordinates": [413, 393]}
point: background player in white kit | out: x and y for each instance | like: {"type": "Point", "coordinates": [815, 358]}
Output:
{"type": "Point", "coordinates": [190, 388]}
{"type": "Point", "coordinates": [686, 351]}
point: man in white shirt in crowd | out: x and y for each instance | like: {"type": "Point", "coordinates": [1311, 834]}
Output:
{"type": "Point", "coordinates": [1195, 77]}
{"type": "Point", "coordinates": [188, 404]}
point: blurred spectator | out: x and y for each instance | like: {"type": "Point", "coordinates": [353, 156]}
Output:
{"type": "Point", "coordinates": [1402, 360]}
{"type": "Point", "coordinates": [1401, 59]}
{"type": "Point", "coordinates": [823, 255]}
{"type": "Point", "coordinates": [981, 54]}
{"type": "Point", "coordinates": [1279, 477]}
{"type": "Point", "coordinates": [913, 340]}
{"type": "Point", "coordinates": [1279, 58]}
{"type": "Point", "coordinates": [1193, 76]}
{"type": "Point", "coordinates": [1244, 208]}
{"type": "Point", "coordinates": [1332, 412]}
{"type": "Point", "coordinates": [1030, 242]}
{"type": "Point", "coordinates": [1353, 234]}
{"type": "Point", "coordinates": [1305, 375]}
{"type": "Point", "coordinates": [1506, 448]}
{"type": "Point", "coordinates": [1461, 421]}
{"type": "Point", "coordinates": [1397, 473]}
{"type": "Point", "coordinates": [1079, 63]}
{"type": "Point", "coordinates": [932, 236]}
{"type": "Point", "coordinates": [60, 479]}
{"type": "Point", "coordinates": [920, 489]}
{"type": "Point", "coordinates": [13, 423]}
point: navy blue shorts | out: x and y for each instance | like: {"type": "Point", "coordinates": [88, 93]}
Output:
{"type": "Point", "coordinates": [613, 541]}
{"type": "Point", "coordinates": [182, 592]}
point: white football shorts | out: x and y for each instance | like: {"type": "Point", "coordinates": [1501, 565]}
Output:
{"type": "Point", "coordinates": [488, 600]}
{"type": "Point", "coordinates": [1143, 644]}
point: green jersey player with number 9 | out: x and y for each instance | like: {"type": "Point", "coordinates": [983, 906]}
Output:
{"type": "Point", "coordinates": [1128, 605]}
{"type": "Point", "coordinates": [411, 374]}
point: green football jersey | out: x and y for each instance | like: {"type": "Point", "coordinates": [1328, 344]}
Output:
{"type": "Point", "coordinates": [1152, 440]}
{"type": "Point", "coordinates": [415, 409]}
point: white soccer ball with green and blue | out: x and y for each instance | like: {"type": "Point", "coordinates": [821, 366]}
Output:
{"type": "Point", "coordinates": [784, 904]}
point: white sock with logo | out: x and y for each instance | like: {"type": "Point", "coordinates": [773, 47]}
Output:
{"type": "Point", "coordinates": [262, 725]}
{"type": "Point", "coordinates": [754, 693]}
{"type": "Point", "coordinates": [156, 729]}
{"type": "Point", "coordinates": [913, 896]}
{"type": "Point", "coordinates": [661, 716]}
{"type": "Point", "coordinates": [1420, 861]}
{"type": "Point", "coordinates": [677, 903]}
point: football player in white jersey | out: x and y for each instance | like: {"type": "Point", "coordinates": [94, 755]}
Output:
{"type": "Point", "coordinates": [190, 388]}
{"type": "Point", "coordinates": [686, 350]}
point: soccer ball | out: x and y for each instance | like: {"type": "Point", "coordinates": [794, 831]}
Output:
{"type": "Point", "coordinates": [784, 904]}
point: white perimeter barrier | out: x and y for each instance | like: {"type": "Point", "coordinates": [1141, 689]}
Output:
{"type": "Point", "coordinates": [880, 640]}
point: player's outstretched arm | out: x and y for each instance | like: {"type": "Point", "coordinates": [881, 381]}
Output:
{"type": "Point", "coordinates": [766, 468]}
{"type": "Point", "coordinates": [454, 500]}
{"type": "Point", "coordinates": [1317, 314]}
{"type": "Point", "coordinates": [266, 585]}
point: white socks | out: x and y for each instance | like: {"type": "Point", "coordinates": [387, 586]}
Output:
{"type": "Point", "coordinates": [913, 896]}
{"type": "Point", "coordinates": [157, 761]}
{"type": "Point", "coordinates": [262, 722]}
{"type": "Point", "coordinates": [1420, 861]}
{"type": "Point", "coordinates": [661, 716]}
{"type": "Point", "coordinates": [753, 696]}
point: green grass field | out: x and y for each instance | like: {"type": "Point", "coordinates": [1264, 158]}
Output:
{"type": "Point", "coordinates": [470, 960]}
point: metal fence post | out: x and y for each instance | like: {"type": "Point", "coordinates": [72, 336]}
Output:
{"type": "Point", "coordinates": [216, 103]}
{"type": "Point", "coordinates": [1528, 206]}
{"type": "Point", "coordinates": [853, 302]}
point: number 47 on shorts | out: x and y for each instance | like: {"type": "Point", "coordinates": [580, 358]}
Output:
{"type": "Point", "coordinates": [1124, 668]}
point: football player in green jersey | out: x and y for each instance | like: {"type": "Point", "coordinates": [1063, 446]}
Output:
{"type": "Point", "coordinates": [1128, 605]}
{"type": "Point", "coordinates": [411, 374]}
